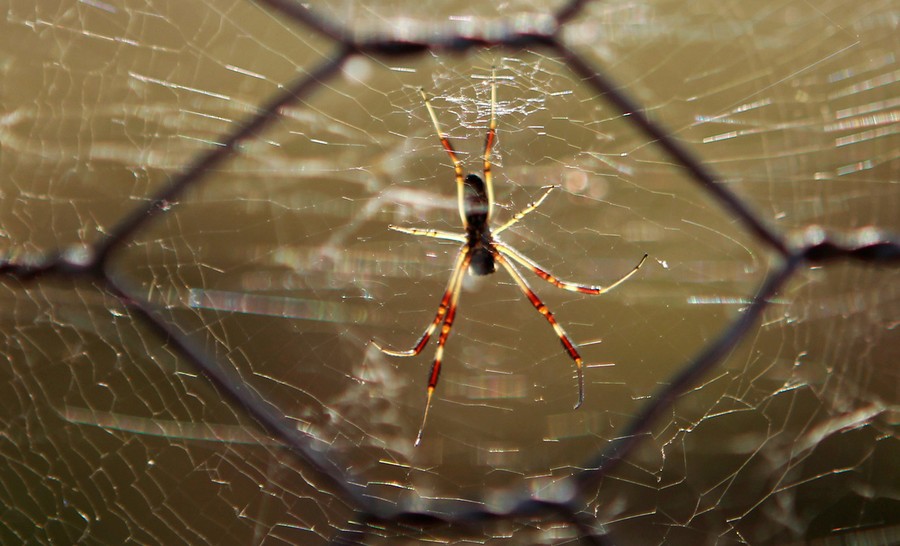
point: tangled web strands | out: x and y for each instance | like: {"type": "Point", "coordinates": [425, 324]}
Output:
{"type": "Point", "coordinates": [195, 254]}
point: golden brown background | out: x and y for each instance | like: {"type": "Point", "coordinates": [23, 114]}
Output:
{"type": "Point", "coordinates": [280, 265]}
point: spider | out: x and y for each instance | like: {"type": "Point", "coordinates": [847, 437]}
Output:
{"type": "Point", "coordinates": [480, 253]}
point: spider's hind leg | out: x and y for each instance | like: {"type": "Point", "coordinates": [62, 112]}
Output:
{"type": "Point", "coordinates": [453, 286]}
{"type": "Point", "coordinates": [543, 310]}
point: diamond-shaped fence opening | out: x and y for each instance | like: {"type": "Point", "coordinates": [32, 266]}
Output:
{"type": "Point", "coordinates": [196, 200]}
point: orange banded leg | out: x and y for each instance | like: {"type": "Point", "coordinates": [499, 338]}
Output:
{"type": "Point", "coordinates": [565, 285]}
{"type": "Point", "coordinates": [452, 286]}
{"type": "Point", "coordinates": [457, 165]}
{"type": "Point", "coordinates": [442, 340]}
{"type": "Point", "coordinates": [489, 140]}
{"type": "Point", "coordinates": [543, 310]}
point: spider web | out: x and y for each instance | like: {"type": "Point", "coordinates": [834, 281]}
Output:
{"type": "Point", "coordinates": [275, 268]}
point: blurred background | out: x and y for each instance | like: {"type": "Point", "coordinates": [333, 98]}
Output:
{"type": "Point", "coordinates": [281, 266]}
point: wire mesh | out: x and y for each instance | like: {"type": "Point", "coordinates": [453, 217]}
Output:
{"type": "Point", "coordinates": [332, 456]}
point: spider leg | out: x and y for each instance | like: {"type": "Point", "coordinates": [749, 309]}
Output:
{"type": "Point", "coordinates": [565, 285]}
{"type": "Point", "coordinates": [489, 140]}
{"type": "Point", "coordinates": [442, 340]}
{"type": "Point", "coordinates": [543, 310]}
{"type": "Point", "coordinates": [525, 211]}
{"type": "Point", "coordinates": [452, 287]}
{"type": "Point", "coordinates": [457, 164]}
{"type": "Point", "coordinates": [436, 233]}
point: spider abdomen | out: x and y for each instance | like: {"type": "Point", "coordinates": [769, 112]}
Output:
{"type": "Point", "coordinates": [482, 262]}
